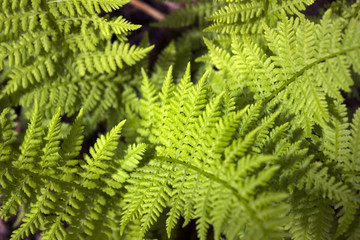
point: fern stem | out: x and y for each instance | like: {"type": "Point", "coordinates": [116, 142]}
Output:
{"type": "Point", "coordinates": [299, 73]}
{"type": "Point", "coordinates": [147, 9]}
{"type": "Point", "coordinates": [225, 184]}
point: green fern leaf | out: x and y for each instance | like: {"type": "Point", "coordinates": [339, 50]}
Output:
{"type": "Point", "coordinates": [132, 157]}
{"type": "Point", "coordinates": [118, 26]}
{"type": "Point", "coordinates": [337, 138]}
{"type": "Point", "coordinates": [113, 57]}
{"type": "Point", "coordinates": [249, 16]}
{"type": "Point", "coordinates": [72, 144]}
{"type": "Point", "coordinates": [70, 7]}
{"type": "Point", "coordinates": [32, 141]}
{"type": "Point", "coordinates": [238, 12]}
{"type": "Point", "coordinates": [349, 39]}
{"type": "Point", "coordinates": [55, 49]}
{"type": "Point", "coordinates": [166, 60]}
{"type": "Point", "coordinates": [101, 152]}
{"type": "Point", "coordinates": [187, 171]}
{"type": "Point", "coordinates": [24, 77]}
{"type": "Point", "coordinates": [51, 157]}
{"type": "Point", "coordinates": [310, 224]}
{"type": "Point", "coordinates": [7, 136]}
{"type": "Point", "coordinates": [354, 229]}
{"type": "Point", "coordinates": [148, 104]}
{"type": "Point", "coordinates": [355, 140]}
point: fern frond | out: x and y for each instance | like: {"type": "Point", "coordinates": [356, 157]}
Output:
{"type": "Point", "coordinates": [132, 157]}
{"type": "Point", "coordinates": [7, 136]}
{"type": "Point", "coordinates": [51, 157]}
{"type": "Point", "coordinates": [58, 191]}
{"type": "Point", "coordinates": [239, 147]}
{"type": "Point", "coordinates": [248, 121]}
{"type": "Point", "coordinates": [35, 217]}
{"type": "Point", "coordinates": [32, 141]}
{"type": "Point", "coordinates": [148, 104]}
{"type": "Point", "coordinates": [29, 43]}
{"type": "Point", "coordinates": [297, 56]}
{"type": "Point", "coordinates": [72, 144]}
{"type": "Point", "coordinates": [152, 192]}
{"type": "Point", "coordinates": [72, 7]}
{"type": "Point", "coordinates": [20, 21]}
{"type": "Point", "coordinates": [187, 171]}
{"type": "Point", "coordinates": [74, 93]}
{"type": "Point", "coordinates": [238, 12]}
{"type": "Point", "coordinates": [224, 132]}
{"type": "Point", "coordinates": [29, 75]}
{"type": "Point", "coordinates": [312, 218]}
{"type": "Point", "coordinates": [355, 140]}
{"type": "Point", "coordinates": [318, 180]}
{"type": "Point", "coordinates": [83, 42]}
{"type": "Point", "coordinates": [326, 184]}
{"type": "Point", "coordinates": [249, 16]}
{"type": "Point", "coordinates": [354, 229]}
{"type": "Point", "coordinates": [166, 60]}
{"type": "Point", "coordinates": [337, 137]}
{"type": "Point", "coordinates": [253, 67]}
{"type": "Point", "coordinates": [251, 183]}
{"type": "Point", "coordinates": [109, 60]}
{"type": "Point", "coordinates": [346, 216]}
{"type": "Point", "coordinates": [292, 7]}
{"type": "Point", "coordinates": [67, 38]}
{"type": "Point", "coordinates": [101, 152]}
{"type": "Point", "coordinates": [18, 3]}
{"type": "Point", "coordinates": [166, 94]}
{"type": "Point", "coordinates": [106, 27]}
{"type": "Point", "coordinates": [222, 60]}
{"type": "Point", "coordinates": [349, 39]}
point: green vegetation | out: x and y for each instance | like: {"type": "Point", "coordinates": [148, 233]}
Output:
{"type": "Point", "coordinates": [240, 126]}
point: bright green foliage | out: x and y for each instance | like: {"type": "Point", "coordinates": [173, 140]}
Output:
{"type": "Point", "coordinates": [253, 142]}
{"type": "Point", "coordinates": [323, 179]}
{"type": "Point", "coordinates": [57, 49]}
{"type": "Point", "coordinates": [250, 16]}
{"type": "Point", "coordinates": [302, 69]}
{"type": "Point", "coordinates": [227, 168]}
{"type": "Point", "coordinates": [54, 185]}
{"type": "Point", "coordinates": [7, 134]}
{"type": "Point", "coordinates": [196, 156]}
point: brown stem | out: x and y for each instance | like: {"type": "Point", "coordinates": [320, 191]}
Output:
{"type": "Point", "coordinates": [148, 9]}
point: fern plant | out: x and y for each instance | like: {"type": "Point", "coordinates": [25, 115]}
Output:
{"type": "Point", "coordinates": [46, 177]}
{"type": "Point", "coordinates": [253, 141]}
{"type": "Point", "coordinates": [293, 66]}
{"type": "Point", "coordinates": [212, 163]}
{"type": "Point", "coordinates": [63, 54]}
